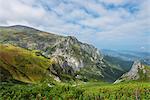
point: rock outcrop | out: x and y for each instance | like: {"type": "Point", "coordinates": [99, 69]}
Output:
{"type": "Point", "coordinates": [138, 72]}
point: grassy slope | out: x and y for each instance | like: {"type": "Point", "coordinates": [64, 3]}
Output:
{"type": "Point", "coordinates": [121, 91]}
{"type": "Point", "coordinates": [22, 64]}
{"type": "Point", "coordinates": [81, 91]}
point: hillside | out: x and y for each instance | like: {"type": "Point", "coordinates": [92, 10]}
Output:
{"type": "Point", "coordinates": [23, 65]}
{"type": "Point", "coordinates": [84, 60]}
{"type": "Point", "coordinates": [119, 63]}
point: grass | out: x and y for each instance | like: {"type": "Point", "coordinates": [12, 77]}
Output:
{"type": "Point", "coordinates": [76, 91]}
{"type": "Point", "coordinates": [121, 91]}
{"type": "Point", "coordinates": [22, 64]}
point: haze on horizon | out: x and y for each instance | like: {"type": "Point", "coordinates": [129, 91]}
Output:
{"type": "Point", "coordinates": [109, 24]}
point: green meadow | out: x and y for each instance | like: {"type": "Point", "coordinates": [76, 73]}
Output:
{"type": "Point", "coordinates": [76, 91]}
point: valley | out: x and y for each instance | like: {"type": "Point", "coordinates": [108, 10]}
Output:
{"type": "Point", "coordinates": [42, 66]}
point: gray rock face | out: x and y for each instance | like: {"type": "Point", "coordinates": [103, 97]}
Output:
{"type": "Point", "coordinates": [76, 53]}
{"type": "Point", "coordinates": [136, 72]}
{"type": "Point", "coordinates": [133, 73]}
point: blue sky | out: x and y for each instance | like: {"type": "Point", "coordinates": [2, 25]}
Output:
{"type": "Point", "coordinates": [109, 24]}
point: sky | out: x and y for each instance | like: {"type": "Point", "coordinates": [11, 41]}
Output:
{"type": "Point", "coordinates": [106, 24]}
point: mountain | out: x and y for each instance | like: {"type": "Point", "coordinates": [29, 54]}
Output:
{"type": "Point", "coordinates": [138, 72]}
{"type": "Point", "coordinates": [127, 55]}
{"type": "Point", "coordinates": [80, 60]}
{"type": "Point", "coordinates": [119, 63]}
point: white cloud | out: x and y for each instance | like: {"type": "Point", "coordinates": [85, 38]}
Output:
{"type": "Point", "coordinates": [113, 1]}
{"type": "Point", "coordinates": [90, 21]}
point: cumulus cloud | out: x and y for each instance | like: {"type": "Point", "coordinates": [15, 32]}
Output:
{"type": "Point", "coordinates": [124, 24]}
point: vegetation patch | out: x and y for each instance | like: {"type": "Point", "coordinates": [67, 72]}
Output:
{"type": "Point", "coordinates": [76, 91]}
{"type": "Point", "coordinates": [22, 64]}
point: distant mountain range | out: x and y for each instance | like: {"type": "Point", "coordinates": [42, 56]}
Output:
{"type": "Point", "coordinates": [144, 57]}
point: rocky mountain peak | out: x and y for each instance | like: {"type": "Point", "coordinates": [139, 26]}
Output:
{"type": "Point", "coordinates": [133, 73]}
{"type": "Point", "coordinates": [72, 39]}
{"type": "Point", "coordinates": [137, 72]}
